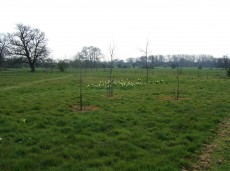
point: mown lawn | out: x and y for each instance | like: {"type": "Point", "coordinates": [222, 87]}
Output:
{"type": "Point", "coordinates": [140, 128]}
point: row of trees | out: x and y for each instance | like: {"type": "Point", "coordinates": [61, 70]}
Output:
{"type": "Point", "coordinates": [181, 60]}
{"type": "Point", "coordinates": [198, 61]}
{"type": "Point", "coordinates": [138, 62]}
{"type": "Point", "coordinates": [28, 47]}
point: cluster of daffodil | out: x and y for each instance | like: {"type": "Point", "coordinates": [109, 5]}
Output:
{"type": "Point", "coordinates": [117, 84]}
{"type": "Point", "coordinates": [160, 82]}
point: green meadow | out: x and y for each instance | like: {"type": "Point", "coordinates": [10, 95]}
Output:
{"type": "Point", "coordinates": [142, 127]}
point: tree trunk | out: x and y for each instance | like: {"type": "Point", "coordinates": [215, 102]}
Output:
{"type": "Point", "coordinates": [32, 67]}
{"type": "Point", "coordinates": [81, 101]}
{"type": "Point", "coordinates": [178, 88]}
{"type": "Point", "coordinates": [147, 75]}
{"type": "Point", "coordinates": [178, 84]}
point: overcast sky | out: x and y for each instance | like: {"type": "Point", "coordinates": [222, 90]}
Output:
{"type": "Point", "coordinates": [170, 26]}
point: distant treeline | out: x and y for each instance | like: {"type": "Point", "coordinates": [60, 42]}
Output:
{"type": "Point", "coordinates": [199, 61]}
{"type": "Point", "coordinates": [27, 47]}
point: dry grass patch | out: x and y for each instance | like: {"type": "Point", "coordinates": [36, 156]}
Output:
{"type": "Point", "coordinates": [76, 108]}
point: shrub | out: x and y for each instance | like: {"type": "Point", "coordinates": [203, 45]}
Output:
{"type": "Point", "coordinates": [62, 65]}
{"type": "Point", "coordinates": [228, 72]}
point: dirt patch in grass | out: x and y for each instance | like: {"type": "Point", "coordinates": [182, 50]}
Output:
{"type": "Point", "coordinates": [76, 108]}
{"type": "Point", "coordinates": [208, 157]}
{"type": "Point", "coordinates": [172, 98]}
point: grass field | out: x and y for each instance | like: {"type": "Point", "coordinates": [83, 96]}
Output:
{"type": "Point", "coordinates": [140, 128]}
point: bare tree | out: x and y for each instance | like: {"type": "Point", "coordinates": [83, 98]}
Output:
{"type": "Point", "coordinates": [146, 53]}
{"type": "Point", "coordinates": [4, 48]}
{"type": "Point", "coordinates": [29, 44]}
{"type": "Point", "coordinates": [226, 61]}
{"type": "Point", "coordinates": [178, 83]}
{"type": "Point", "coordinates": [91, 55]}
{"type": "Point", "coordinates": [96, 55]}
{"type": "Point", "coordinates": [80, 84]}
{"type": "Point", "coordinates": [152, 60]}
{"type": "Point", "coordinates": [111, 79]}
{"type": "Point", "coordinates": [49, 63]}
{"type": "Point", "coordinates": [79, 58]}
{"type": "Point", "coordinates": [131, 62]}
